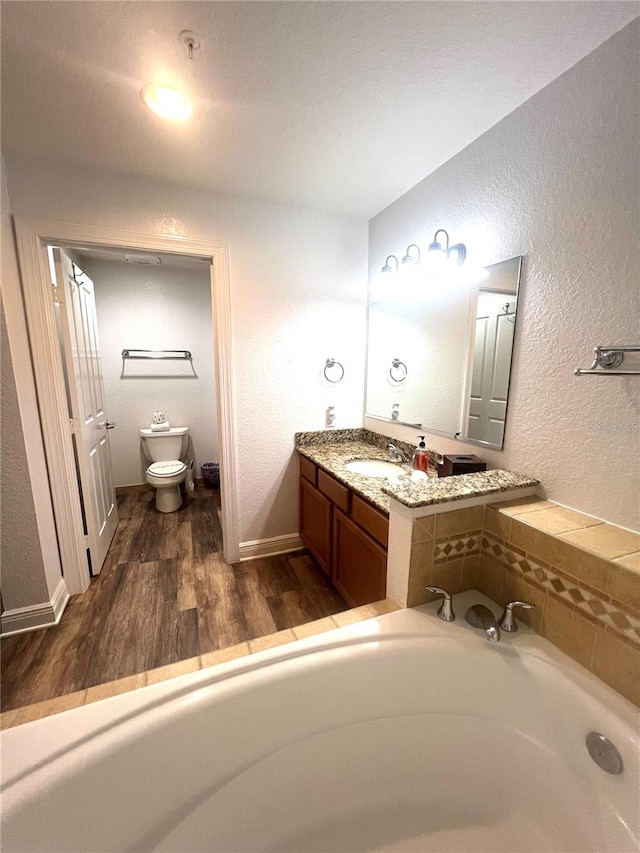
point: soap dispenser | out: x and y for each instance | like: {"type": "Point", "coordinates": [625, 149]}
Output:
{"type": "Point", "coordinates": [420, 458]}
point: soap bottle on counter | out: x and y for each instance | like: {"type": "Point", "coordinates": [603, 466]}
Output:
{"type": "Point", "coordinates": [420, 458]}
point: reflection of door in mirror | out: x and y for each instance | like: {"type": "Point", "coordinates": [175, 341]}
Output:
{"type": "Point", "coordinates": [491, 361]}
{"type": "Point", "coordinates": [492, 349]}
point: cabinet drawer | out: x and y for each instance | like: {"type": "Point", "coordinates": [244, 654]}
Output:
{"type": "Point", "coordinates": [309, 470]}
{"type": "Point", "coordinates": [335, 491]}
{"type": "Point", "coordinates": [374, 522]}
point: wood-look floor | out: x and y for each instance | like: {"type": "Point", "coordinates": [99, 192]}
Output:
{"type": "Point", "coordinates": [165, 594]}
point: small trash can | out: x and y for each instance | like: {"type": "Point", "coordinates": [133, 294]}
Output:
{"type": "Point", "coordinates": [211, 475]}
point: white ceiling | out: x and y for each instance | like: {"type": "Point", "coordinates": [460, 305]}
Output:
{"type": "Point", "coordinates": [341, 106]}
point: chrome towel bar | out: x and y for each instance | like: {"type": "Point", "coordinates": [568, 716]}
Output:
{"type": "Point", "coordinates": [609, 359]}
{"type": "Point", "coordinates": [157, 353]}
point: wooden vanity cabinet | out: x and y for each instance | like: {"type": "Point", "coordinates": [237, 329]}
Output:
{"type": "Point", "coordinates": [345, 534]}
{"type": "Point", "coordinates": [359, 563]}
{"type": "Point", "coordinates": [316, 519]}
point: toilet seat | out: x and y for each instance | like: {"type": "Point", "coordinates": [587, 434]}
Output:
{"type": "Point", "coordinates": [166, 469]}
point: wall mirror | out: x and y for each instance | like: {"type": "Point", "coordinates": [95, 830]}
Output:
{"type": "Point", "coordinates": [439, 357]}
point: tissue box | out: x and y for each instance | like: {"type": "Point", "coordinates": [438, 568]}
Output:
{"type": "Point", "coordinates": [460, 464]}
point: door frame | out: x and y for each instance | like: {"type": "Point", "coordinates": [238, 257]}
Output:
{"type": "Point", "coordinates": [32, 238]}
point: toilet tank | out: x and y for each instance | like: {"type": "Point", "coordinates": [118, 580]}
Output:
{"type": "Point", "coordinates": [164, 446]}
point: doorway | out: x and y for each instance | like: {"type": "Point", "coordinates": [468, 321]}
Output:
{"type": "Point", "coordinates": [33, 238]}
{"type": "Point", "coordinates": [124, 319]}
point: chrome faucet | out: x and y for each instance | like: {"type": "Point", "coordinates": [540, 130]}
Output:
{"type": "Point", "coordinates": [394, 454]}
{"type": "Point", "coordinates": [445, 611]}
{"type": "Point", "coordinates": [481, 617]}
{"type": "Point", "coordinates": [508, 620]}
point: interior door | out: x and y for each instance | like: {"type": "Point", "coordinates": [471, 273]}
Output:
{"type": "Point", "coordinates": [491, 368]}
{"type": "Point", "coordinates": [79, 330]}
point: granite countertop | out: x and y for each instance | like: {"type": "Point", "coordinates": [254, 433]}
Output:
{"type": "Point", "coordinates": [333, 455]}
{"type": "Point", "coordinates": [456, 488]}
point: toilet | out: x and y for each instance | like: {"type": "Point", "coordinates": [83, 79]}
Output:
{"type": "Point", "coordinates": [167, 471]}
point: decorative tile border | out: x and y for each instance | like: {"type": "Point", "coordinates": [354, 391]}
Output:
{"type": "Point", "coordinates": [453, 547]}
{"type": "Point", "coordinates": [595, 605]}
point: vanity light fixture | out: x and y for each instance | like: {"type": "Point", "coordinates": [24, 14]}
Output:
{"type": "Point", "coordinates": [387, 267]}
{"type": "Point", "coordinates": [438, 252]}
{"type": "Point", "coordinates": [166, 101]}
{"type": "Point", "coordinates": [408, 257]}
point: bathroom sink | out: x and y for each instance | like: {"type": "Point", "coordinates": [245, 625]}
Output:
{"type": "Point", "coordinates": [374, 468]}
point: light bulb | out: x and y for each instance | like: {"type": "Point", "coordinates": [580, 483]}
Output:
{"type": "Point", "coordinates": [436, 261]}
{"type": "Point", "coordinates": [167, 101]}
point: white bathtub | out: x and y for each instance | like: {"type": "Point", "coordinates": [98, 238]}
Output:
{"type": "Point", "coordinates": [402, 733]}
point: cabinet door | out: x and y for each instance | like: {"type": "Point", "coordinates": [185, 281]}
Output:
{"type": "Point", "coordinates": [315, 523]}
{"type": "Point", "coordinates": [359, 563]}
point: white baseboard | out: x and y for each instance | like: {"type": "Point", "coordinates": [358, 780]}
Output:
{"type": "Point", "coordinates": [269, 547]}
{"type": "Point", "coordinates": [44, 615]}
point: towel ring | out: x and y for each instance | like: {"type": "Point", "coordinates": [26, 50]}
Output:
{"type": "Point", "coordinates": [331, 362]}
{"type": "Point", "coordinates": [400, 366]}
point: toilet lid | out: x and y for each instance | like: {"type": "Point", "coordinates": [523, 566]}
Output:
{"type": "Point", "coordinates": [166, 469]}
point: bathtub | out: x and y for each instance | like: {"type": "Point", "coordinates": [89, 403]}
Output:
{"type": "Point", "coordinates": [401, 733]}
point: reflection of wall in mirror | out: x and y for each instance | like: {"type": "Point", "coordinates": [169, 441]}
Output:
{"type": "Point", "coordinates": [430, 336]}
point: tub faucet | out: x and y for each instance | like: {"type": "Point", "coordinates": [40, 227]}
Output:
{"type": "Point", "coordinates": [394, 454]}
{"type": "Point", "coordinates": [508, 620]}
{"type": "Point", "coordinates": [446, 608]}
{"type": "Point", "coordinates": [481, 617]}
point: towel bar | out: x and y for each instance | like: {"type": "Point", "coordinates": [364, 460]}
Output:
{"type": "Point", "coordinates": [608, 359]}
{"type": "Point", "coordinates": [157, 353]}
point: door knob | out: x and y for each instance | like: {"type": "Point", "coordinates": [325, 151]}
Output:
{"type": "Point", "coordinates": [110, 424]}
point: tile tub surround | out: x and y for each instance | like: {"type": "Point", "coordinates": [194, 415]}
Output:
{"type": "Point", "coordinates": [586, 595]}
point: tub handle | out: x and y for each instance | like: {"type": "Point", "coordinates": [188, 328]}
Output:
{"type": "Point", "coordinates": [508, 620]}
{"type": "Point", "coordinates": [446, 608]}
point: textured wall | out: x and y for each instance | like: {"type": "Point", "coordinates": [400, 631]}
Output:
{"type": "Point", "coordinates": [23, 579]}
{"type": "Point", "coordinates": [30, 564]}
{"type": "Point", "coordinates": [557, 181]}
{"type": "Point", "coordinates": [155, 308]}
{"type": "Point", "coordinates": [298, 280]}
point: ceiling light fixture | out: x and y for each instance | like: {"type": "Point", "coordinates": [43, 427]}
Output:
{"type": "Point", "coordinates": [166, 101]}
{"type": "Point", "coordinates": [387, 267]}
